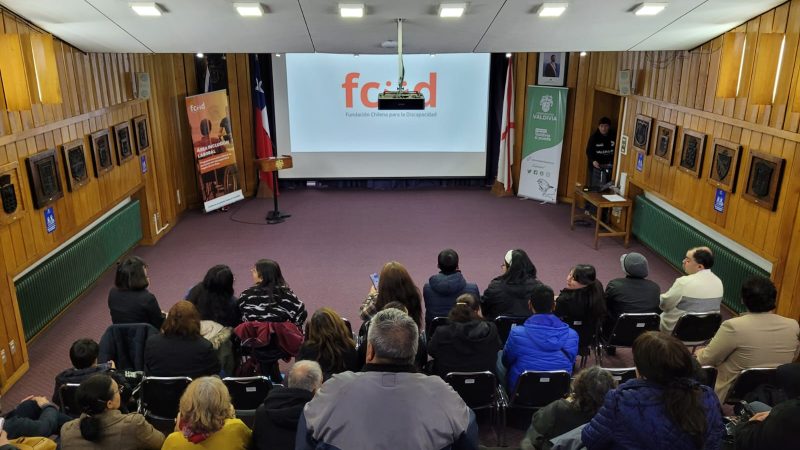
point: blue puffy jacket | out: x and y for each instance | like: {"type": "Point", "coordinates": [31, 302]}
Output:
{"type": "Point", "coordinates": [543, 342]}
{"type": "Point", "coordinates": [633, 417]}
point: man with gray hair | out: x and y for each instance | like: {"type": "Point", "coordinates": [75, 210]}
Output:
{"type": "Point", "coordinates": [387, 405]}
{"type": "Point", "coordinates": [276, 419]}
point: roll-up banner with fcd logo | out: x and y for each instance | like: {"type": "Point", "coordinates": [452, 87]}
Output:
{"type": "Point", "coordinates": [545, 117]}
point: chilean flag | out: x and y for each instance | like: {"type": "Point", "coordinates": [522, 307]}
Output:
{"type": "Point", "coordinates": [506, 157]}
{"type": "Point", "coordinates": [261, 123]}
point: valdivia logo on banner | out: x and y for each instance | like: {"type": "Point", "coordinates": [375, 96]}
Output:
{"type": "Point", "coordinates": [546, 103]}
{"type": "Point", "coordinates": [351, 83]}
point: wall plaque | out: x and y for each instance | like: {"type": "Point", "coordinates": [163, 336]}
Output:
{"type": "Point", "coordinates": [664, 142]}
{"type": "Point", "coordinates": [101, 153]}
{"type": "Point", "coordinates": [725, 165]}
{"type": "Point", "coordinates": [142, 132]}
{"type": "Point", "coordinates": [122, 134]}
{"type": "Point", "coordinates": [691, 155]}
{"type": "Point", "coordinates": [74, 158]}
{"type": "Point", "coordinates": [641, 133]}
{"type": "Point", "coordinates": [764, 180]}
{"type": "Point", "coordinates": [11, 194]}
{"type": "Point", "coordinates": [45, 183]}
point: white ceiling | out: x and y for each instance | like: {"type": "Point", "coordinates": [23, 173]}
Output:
{"type": "Point", "coordinates": [213, 26]}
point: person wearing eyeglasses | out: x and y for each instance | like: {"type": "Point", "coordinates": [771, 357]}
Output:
{"type": "Point", "coordinates": [700, 290]}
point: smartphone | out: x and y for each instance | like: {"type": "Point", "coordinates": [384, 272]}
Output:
{"type": "Point", "coordinates": [2, 422]}
{"type": "Point", "coordinates": [374, 277]}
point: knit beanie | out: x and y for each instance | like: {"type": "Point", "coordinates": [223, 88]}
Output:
{"type": "Point", "coordinates": [634, 265]}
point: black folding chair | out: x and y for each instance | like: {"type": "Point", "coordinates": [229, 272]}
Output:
{"type": "Point", "coordinates": [623, 374]}
{"type": "Point", "coordinates": [160, 397]}
{"type": "Point", "coordinates": [504, 324]}
{"type": "Point", "coordinates": [536, 389]}
{"type": "Point", "coordinates": [479, 390]}
{"type": "Point", "coordinates": [748, 381]}
{"type": "Point", "coordinates": [435, 323]}
{"type": "Point", "coordinates": [66, 401]}
{"type": "Point", "coordinates": [696, 329]}
{"type": "Point", "coordinates": [627, 328]}
{"type": "Point", "coordinates": [587, 337]}
{"type": "Point", "coordinates": [709, 376]}
{"type": "Point", "coordinates": [247, 393]}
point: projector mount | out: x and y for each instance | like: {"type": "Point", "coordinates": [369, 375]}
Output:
{"type": "Point", "coordinates": [400, 98]}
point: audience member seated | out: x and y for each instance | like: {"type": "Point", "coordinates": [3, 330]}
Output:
{"type": "Point", "coordinates": [633, 294]}
{"type": "Point", "coordinates": [206, 420]}
{"type": "Point", "coordinates": [508, 294]}
{"type": "Point", "coordinates": [780, 426]}
{"type": "Point", "coordinates": [467, 343]}
{"type": "Point", "coordinates": [387, 405]}
{"type": "Point", "coordinates": [129, 300]}
{"type": "Point", "coordinates": [582, 301]}
{"type": "Point", "coordinates": [34, 416]}
{"type": "Point", "coordinates": [759, 338]}
{"type": "Point", "coordinates": [589, 388]}
{"type": "Point", "coordinates": [180, 350]}
{"type": "Point", "coordinates": [394, 285]}
{"type": "Point", "coordinates": [420, 360]}
{"type": "Point", "coordinates": [442, 289]}
{"type": "Point", "coordinates": [83, 355]}
{"type": "Point", "coordinates": [214, 299]}
{"type": "Point", "coordinates": [329, 343]}
{"type": "Point", "coordinates": [543, 342]}
{"type": "Point", "coordinates": [270, 299]}
{"type": "Point", "coordinates": [662, 409]}
{"type": "Point", "coordinates": [102, 425]}
{"type": "Point", "coordinates": [700, 290]}
{"type": "Point", "coordinates": [276, 420]}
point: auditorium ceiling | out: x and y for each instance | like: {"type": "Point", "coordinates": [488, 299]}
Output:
{"type": "Point", "coordinates": [213, 26]}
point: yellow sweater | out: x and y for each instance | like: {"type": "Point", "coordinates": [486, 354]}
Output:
{"type": "Point", "coordinates": [234, 435]}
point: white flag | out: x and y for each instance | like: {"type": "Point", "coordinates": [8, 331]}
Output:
{"type": "Point", "coordinates": [506, 156]}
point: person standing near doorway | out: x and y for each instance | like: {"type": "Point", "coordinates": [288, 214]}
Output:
{"type": "Point", "coordinates": [600, 153]}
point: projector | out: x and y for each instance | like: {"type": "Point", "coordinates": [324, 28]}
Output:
{"type": "Point", "coordinates": [388, 100]}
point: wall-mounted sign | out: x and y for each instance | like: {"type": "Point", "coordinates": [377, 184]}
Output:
{"type": "Point", "coordinates": [50, 219]}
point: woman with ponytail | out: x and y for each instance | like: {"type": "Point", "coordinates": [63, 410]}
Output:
{"type": "Point", "coordinates": [467, 343]}
{"type": "Point", "coordinates": [664, 408]}
{"type": "Point", "coordinates": [581, 305]}
{"type": "Point", "coordinates": [102, 426]}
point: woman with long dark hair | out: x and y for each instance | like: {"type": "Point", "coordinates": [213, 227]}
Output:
{"type": "Point", "coordinates": [662, 409]}
{"type": "Point", "coordinates": [129, 300]}
{"type": "Point", "coordinates": [102, 425]}
{"type": "Point", "coordinates": [270, 299]}
{"type": "Point", "coordinates": [508, 294]}
{"type": "Point", "coordinates": [467, 343]}
{"type": "Point", "coordinates": [213, 297]}
{"type": "Point", "coordinates": [394, 285]}
{"type": "Point", "coordinates": [581, 305]}
{"type": "Point", "coordinates": [329, 343]}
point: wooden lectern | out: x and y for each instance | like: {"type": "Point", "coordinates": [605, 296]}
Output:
{"type": "Point", "coordinates": [273, 165]}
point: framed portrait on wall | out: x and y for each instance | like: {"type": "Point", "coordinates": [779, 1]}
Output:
{"type": "Point", "coordinates": [691, 154]}
{"type": "Point", "coordinates": [664, 142]}
{"type": "Point", "coordinates": [122, 134]}
{"type": "Point", "coordinates": [142, 133]}
{"type": "Point", "coordinates": [11, 194]}
{"type": "Point", "coordinates": [102, 159]}
{"type": "Point", "coordinates": [77, 174]}
{"type": "Point", "coordinates": [725, 165]}
{"type": "Point", "coordinates": [764, 180]}
{"type": "Point", "coordinates": [44, 181]}
{"type": "Point", "coordinates": [641, 133]}
{"type": "Point", "coordinates": [552, 68]}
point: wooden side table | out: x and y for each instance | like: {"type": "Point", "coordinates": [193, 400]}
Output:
{"type": "Point", "coordinates": [601, 203]}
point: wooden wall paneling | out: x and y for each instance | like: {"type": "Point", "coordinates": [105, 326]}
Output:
{"type": "Point", "coordinates": [751, 44]}
{"type": "Point", "coordinates": [240, 134]}
{"type": "Point", "coordinates": [190, 190]}
{"type": "Point", "coordinates": [567, 158]}
{"type": "Point", "coordinates": [520, 64]}
{"type": "Point", "coordinates": [65, 108]}
{"type": "Point", "coordinates": [782, 109]}
{"type": "Point", "coordinates": [25, 117]}
{"type": "Point", "coordinates": [702, 76]}
{"type": "Point", "coordinates": [714, 59]}
{"type": "Point", "coordinates": [88, 89]}
{"type": "Point", "coordinates": [244, 100]}
{"type": "Point", "coordinates": [112, 65]}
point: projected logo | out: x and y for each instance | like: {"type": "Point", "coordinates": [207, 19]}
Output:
{"type": "Point", "coordinates": [365, 91]}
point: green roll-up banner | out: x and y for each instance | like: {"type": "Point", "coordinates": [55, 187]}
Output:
{"type": "Point", "coordinates": [545, 117]}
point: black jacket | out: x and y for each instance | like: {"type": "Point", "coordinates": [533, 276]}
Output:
{"type": "Point", "coordinates": [124, 344]}
{"type": "Point", "coordinates": [575, 305]}
{"type": "Point", "coordinates": [134, 307]}
{"type": "Point", "coordinates": [465, 347]}
{"type": "Point", "coordinates": [178, 356]}
{"type": "Point", "coordinates": [504, 299]}
{"type": "Point", "coordinates": [632, 295]}
{"type": "Point", "coordinates": [440, 294]}
{"type": "Point", "coordinates": [601, 148]}
{"type": "Point", "coordinates": [554, 420]}
{"type": "Point", "coordinates": [76, 376]}
{"type": "Point", "coordinates": [349, 360]}
{"type": "Point", "coordinates": [276, 419]}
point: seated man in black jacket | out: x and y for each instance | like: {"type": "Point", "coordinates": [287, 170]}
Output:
{"type": "Point", "coordinates": [83, 355]}
{"type": "Point", "coordinates": [779, 427]}
{"type": "Point", "coordinates": [276, 419]}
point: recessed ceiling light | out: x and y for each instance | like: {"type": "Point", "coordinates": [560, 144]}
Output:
{"type": "Point", "coordinates": [146, 8]}
{"type": "Point", "coordinates": [552, 9]}
{"type": "Point", "coordinates": [583, 53]}
{"type": "Point", "coordinates": [249, 9]}
{"type": "Point", "coordinates": [351, 9]}
{"type": "Point", "coordinates": [508, 55]}
{"type": "Point", "coordinates": [452, 9]}
{"type": "Point", "coordinates": [278, 55]}
{"type": "Point", "coordinates": [433, 55]}
{"type": "Point", "coordinates": [199, 55]}
{"type": "Point", "coordinates": [649, 9]}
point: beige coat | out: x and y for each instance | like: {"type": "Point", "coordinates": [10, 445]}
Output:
{"type": "Point", "coordinates": [749, 341]}
{"type": "Point", "coordinates": [120, 432]}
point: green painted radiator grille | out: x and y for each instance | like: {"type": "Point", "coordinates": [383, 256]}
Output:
{"type": "Point", "coordinates": [49, 288]}
{"type": "Point", "coordinates": [670, 237]}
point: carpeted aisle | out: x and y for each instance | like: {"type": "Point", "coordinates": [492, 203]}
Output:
{"type": "Point", "coordinates": [331, 244]}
